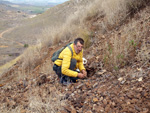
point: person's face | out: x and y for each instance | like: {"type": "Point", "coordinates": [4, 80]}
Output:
{"type": "Point", "coordinates": [78, 47]}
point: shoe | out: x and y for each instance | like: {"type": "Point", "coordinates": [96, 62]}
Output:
{"type": "Point", "coordinates": [66, 83]}
{"type": "Point", "coordinates": [65, 80]}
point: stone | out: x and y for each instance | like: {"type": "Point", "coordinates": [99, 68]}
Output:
{"type": "Point", "coordinates": [120, 79]}
{"type": "Point", "coordinates": [79, 86]}
{"type": "Point", "coordinates": [12, 103]}
{"type": "Point", "coordinates": [122, 98]}
{"type": "Point", "coordinates": [140, 79]}
{"type": "Point", "coordinates": [9, 87]}
{"type": "Point", "coordinates": [105, 102]}
{"type": "Point", "coordinates": [41, 80]}
{"type": "Point", "coordinates": [73, 111]}
{"type": "Point", "coordinates": [101, 72]}
{"type": "Point", "coordinates": [95, 100]}
{"type": "Point", "coordinates": [95, 85]}
{"type": "Point", "coordinates": [100, 109]}
{"type": "Point", "coordinates": [128, 103]}
{"type": "Point", "coordinates": [113, 103]}
{"type": "Point", "coordinates": [80, 110]}
{"type": "Point", "coordinates": [94, 107]}
{"type": "Point", "coordinates": [23, 111]}
{"type": "Point", "coordinates": [134, 100]}
{"type": "Point", "coordinates": [1, 85]}
{"type": "Point", "coordinates": [89, 112]}
{"type": "Point", "coordinates": [68, 108]}
{"type": "Point", "coordinates": [107, 108]}
{"type": "Point", "coordinates": [101, 98]}
{"type": "Point", "coordinates": [63, 111]}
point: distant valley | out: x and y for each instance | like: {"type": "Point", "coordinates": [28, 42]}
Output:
{"type": "Point", "coordinates": [28, 8]}
{"type": "Point", "coordinates": [12, 16]}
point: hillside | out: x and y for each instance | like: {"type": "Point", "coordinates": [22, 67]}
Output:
{"type": "Point", "coordinates": [117, 49]}
{"type": "Point", "coordinates": [13, 16]}
{"type": "Point", "coordinates": [10, 18]}
{"type": "Point", "coordinates": [54, 17]}
{"type": "Point", "coordinates": [37, 30]}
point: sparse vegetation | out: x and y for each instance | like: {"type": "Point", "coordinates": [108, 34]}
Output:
{"type": "Point", "coordinates": [26, 45]}
{"type": "Point", "coordinates": [86, 37]}
{"type": "Point", "coordinates": [110, 15]}
{"type": "Point", "coordinates": [48, 103]}
{"type": "Point", "coordinates": [114, 28]}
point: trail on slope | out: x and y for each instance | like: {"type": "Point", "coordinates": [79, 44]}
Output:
{"type": "Point", "coordinates": [8, 30]}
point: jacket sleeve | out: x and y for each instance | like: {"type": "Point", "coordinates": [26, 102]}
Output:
{"type": "Point", "coordinates": [66, 64]}
{"type": "Point", "coordinates": [80, 63]}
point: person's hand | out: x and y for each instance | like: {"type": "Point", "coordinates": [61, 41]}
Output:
{"type": "Point", "coordinates": [80, 75]}
{"type": "Point", "coordinates": [84, 73]}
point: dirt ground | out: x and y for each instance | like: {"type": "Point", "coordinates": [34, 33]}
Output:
{"type": "Point", "coordinates": [102, 91]}
{"type": "Point", "coordinates": [126, 90]}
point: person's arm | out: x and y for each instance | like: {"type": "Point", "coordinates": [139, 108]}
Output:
{"type": "Point", "coordinates": [80, 75]}
{"type": "Point", "coordinates": [81, 66]}
{"type": "Point", "coordinates": [84, 73]}
{"type": "Point", "coordinates": [80, 62]}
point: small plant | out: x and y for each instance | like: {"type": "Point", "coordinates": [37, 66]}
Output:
{"type": "Point", "coordinates": [110, 49]}
{"type": "Point", "coordinates": [116, 68]}
{"type": "Point", "coordinates": [120, 60]}
{"type": "Point", "coordinates": [26, 45]}
{"type": "Point", "coordinates": [132, 43]}
{"type": "Point", "coordinates": [106, 59]}
{"type": "Point", "coordinates": [120, 56]}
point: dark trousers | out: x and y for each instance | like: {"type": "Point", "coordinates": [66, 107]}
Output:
{"type": "Point", "coordinates": [64, 78]}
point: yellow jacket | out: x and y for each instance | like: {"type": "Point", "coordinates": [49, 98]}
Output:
{"type": "Point", "coordinates": [66, 55]}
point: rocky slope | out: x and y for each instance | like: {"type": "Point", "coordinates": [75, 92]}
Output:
{"type": "Point", "coordinates": [125, 90]}
{"type": "Point", "coordinates": [102, 91]}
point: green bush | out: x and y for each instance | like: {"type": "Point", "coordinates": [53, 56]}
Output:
{"type": "Point", "coordinates": [26, 45]}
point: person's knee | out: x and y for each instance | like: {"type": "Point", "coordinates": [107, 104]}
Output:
{"type": "Point", "coordinates": [57, 70]}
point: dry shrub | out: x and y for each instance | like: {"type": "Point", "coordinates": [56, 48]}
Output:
{"type": "Point", "coordinates": [119, 48]}
{"type": "Point", "coordinates": [46, 100]}
{"type": "Point", "coordinates": [128, 44]}
{"type": "Point", "coordinates": [4, 68]}
{"type": "Point", "coordinates": [86, 35]}
{"type": "Point", "coordinates": [46, 68]}
{"type": "Point", "coordinates": [144, 53]}
{"type": "Point", "coordinates": [43, 99]}
{"type": "Point", "coordinates": [53, 36]}
{"type": "Point", "coordinates": [69, 29]}
{"type": "Point", "coordinates": [47, 37]}
{"type": "Point", "coordinates": [50, 37]}
{"type": "Point", "coordinates": [112, 12]}
{"type": "Point", "coordinates": [115, 10]}
{"type": "Point", "coordinates": [56, 36]}
{"type": "Point", "coordinates": [4, 109]}
{"type": "Point", "coordinates": [31, 57]}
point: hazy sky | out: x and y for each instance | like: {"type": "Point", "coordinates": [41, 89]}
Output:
{"type": "Point", "coordinates": [23, 1]}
